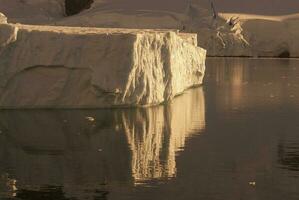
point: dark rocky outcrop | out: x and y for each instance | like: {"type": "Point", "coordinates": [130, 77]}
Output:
{"type": "Point", "coordinates": [73, 7]}
{"type": "Point", "coordinates": [284, 54]}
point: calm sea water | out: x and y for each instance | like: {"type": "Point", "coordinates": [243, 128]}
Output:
{"type": "Point", "coordinates": [235, 138]}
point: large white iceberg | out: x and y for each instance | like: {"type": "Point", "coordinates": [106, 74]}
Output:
{"type": "Point", "coordinates": [68, 67]}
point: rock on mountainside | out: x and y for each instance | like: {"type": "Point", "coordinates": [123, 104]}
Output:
{"type": "Point", "coordinates": [47, 66]}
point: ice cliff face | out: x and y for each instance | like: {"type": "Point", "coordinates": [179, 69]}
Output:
{"type": "Point", "coordinates": [54, 67]}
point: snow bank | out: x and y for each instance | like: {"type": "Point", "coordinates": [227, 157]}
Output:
{"type": "Point", "coordinates": [64, 67]}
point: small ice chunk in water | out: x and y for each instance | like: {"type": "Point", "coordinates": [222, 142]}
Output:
{"type": "Point", "coordinates": [252, 183]}
{"type": "Point", "coordinates": [91, 119]}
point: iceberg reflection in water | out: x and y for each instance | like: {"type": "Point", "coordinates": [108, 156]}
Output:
{"type": "Point", "coordinates": [91, 152]}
